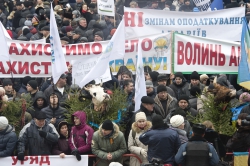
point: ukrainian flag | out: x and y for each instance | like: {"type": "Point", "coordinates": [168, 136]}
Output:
{"type": "Point", "coordinates": [243, 69]}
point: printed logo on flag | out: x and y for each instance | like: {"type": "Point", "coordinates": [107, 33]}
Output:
{"type": "Point", "coordinates": [52, 50]}
{"type": "Point", "coordinates": [161, 46]}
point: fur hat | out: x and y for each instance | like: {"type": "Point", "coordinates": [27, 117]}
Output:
{"type": "Point", "coordinates": [147, 100]}
{"type": "Point", "coordinates": [3, 122]}
{"type": "Point", "coordinates": [183, 97]}
{"type": "Point", "coordinates": [149, 84]}
{"type": "Point", "coordinates": [194, 76]}
{"type": "Point", "coordinates": [203, 77]}
{"type": "Point", "coordinates": [108, 125]}
{"type": "Point", "coordinates": [161, 88]}
{"type": "Point", "coordinates": [140, 116]}
{"type": "Point", "coordinates": [33, 84]}
{"type": "Point", "coordinates": [176, 120]}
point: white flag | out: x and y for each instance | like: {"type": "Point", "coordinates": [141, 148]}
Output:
{"type": "Point", "coordinates": [114, 49]}
{"type": "Point", "coordinates": [140, 85]}
{"type": "Point", "coordinates": [4, 53]}
{"type": "Point", "coordinates": [6, 34]}
{"type": "Point", "coordinates": [58, 62]}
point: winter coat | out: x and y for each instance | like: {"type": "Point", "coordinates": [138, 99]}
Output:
{"type": "Point", "coordinates": [182, 134]}
{"type": "Point", "coordinates": [193, 102]}
{"type": "Point", "coordinates": [62, 146]}
{"type": "Point", "coordinates": [162, 143]}
{"type": "Point", "coordinates": [135, 146]}
{"type": "Point", "coordinates": [152, 94]}
{"type": "Point", "coordinates": [101, 146]}
{"type": "Point", "coordinates": [201, 86]}
{"type": "Point", "coordinates": [30, 139]}
{"type": "Point", "coordinates": [34, 106]}
{"type": "Point", "coordinates": [149, 114]}
{"type": "Point", "coordinates": [81, 30]}
{"type": "Point", "coordinates": [181, 89]}
{"type": "Point", "coordinates": [57, 113]}
{"type": "Point", "coordinates": [81, 135]}
{"type": "Point", "coordinates": [246, 109]}
{"type": "Point", "coordinates": [171, 104]}
{"type": "Point", "coordinates": [23, 89]}
{"type": "Point", "coordinates": [3, 16]}
{"type": "Point", "coordinates": [8, 140]}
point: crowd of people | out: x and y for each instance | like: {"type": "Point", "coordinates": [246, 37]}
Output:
{"type": "Point", "coordinates": [161, 129]}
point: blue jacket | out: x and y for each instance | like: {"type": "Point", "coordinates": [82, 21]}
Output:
{"type": "Point", "coordinates": [8, 140]}
{"type": "Point", "coordinates": [180, 156]}
{"type": "Point", "coordinates": [162, 144]}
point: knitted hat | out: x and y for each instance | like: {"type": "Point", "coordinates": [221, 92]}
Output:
{"type": "Point", "coordinates": [162, 77]}
{"type": "Point", "coordinates": [3, 122]}
{"type": "Point", "coordinates": [203, 77]}
{"type": "Point", "coordinates": [65, 38]}
{"type": "Point", "coordinates": [6, 82]}
{"type": "Point", "coordinates": [39, 115]}
{"type": "Point", "coordinates": [147, 100]}
{"type": "Point", "coordinates": [140, 116]}
{"type": "Point", "coordinates": [199, 128]}
{"type": "Point", "coordinates": [84, 39]}
{"type": "Point", "coordinates": [149, 84]}
{"type": "Point", "coordinates": [183, 97]}
{"type": "Point", "coordinates": [153, 75]}
{"type": "Point", "coordinates": [33, 84]}
{"type": "Point", "coordinates": [26, 31]}
{"type": "Point", "coordinates": [161, 88]}
{"type": "Point", "coordinates": [26, 79]}
{"type": "Point", "coordinates": [62, 123]}
{"type": "Point", "coordinates": [147, 69]}
{"type": "Point", "coordinates": [157, 122]}
{"type": "Point", "coordinates": [27, 23]}
{"type": "Point", "coordinates": [195, 90]}
{"type": "Point", "coordinates": [45, 28]}
{"type": "Point", "coordinates": [178, 74]}
{"type": "Point", "coordinates": [179, 111]}
{"type": "Point", "coordinates": [176, 120]}
{"type": "Point", "coordinates": [99, 33]}
{"type": "Point", "coordinates": [194, 76]}
{"type": "Point", "coordinates": [222, 80]}
{"type": "Point", "coordinates": [108, 125]}
{"type": "Point", "coordinates": [66, 29]}
{"type": "Point", "coordinates": [244, 97]}
{"type": "Point", "coordinates": [37, 18]}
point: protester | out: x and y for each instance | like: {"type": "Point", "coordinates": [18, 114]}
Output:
{"type": "Point", "coordinates": [108, 144]}
{"type": "Point", "coordinates": [177, 124]}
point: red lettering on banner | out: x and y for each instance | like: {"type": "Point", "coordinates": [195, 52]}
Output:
{"type": "Point", "coordinates": [13, 49]}
{"type": "Point", "coordinates": [46, 160]}
{"type": "Point", "coordinates": [2, 68]}
{"type": "Point", "coordinates": [233, 57]}
{"type": "Point", "coordinates": [25, 48]}
{"type": "Point", "coordinates": [130, 16]}
{"type": "Point", "coordinates": [71, 48]}
{"type": "Point", "coordinates": [93, 48]}
{"type": "Point", "coordinates": [33, 159]}
{"type": "Point", "coordinates": [197, 50]}
{"type": "Point", "coordinates": [36, 48]}
{"type": "Point", "coordinates": [180, 53]}
{"type": "Point", "coordinates": [188, 47]}
{"type": "Point", "coordinates": [83, 49]}
{"type": "Point", "coordinates": [11, 67]}
{"type": "Point", "coordinates": [26, 158]}
{"type": "Point", "coordinates": [46, 52]}
{"type": "Point", "coordinates": [222, 58]}
{"type": "Point", "coordinates": [213, 55]}
{"type": "Point", "coordinates": [143, 44]}
{"type": "Point", "coordinates": [126, 46]}
{"type": "Point", "coordinates": [204, 54]}
{"type": "Point", "coordinates": [14, 158]}
{"type": "Point", "coordinates": [133, 44]}
{"type": "Point", "coordinates": [46, 66]}
{"type": "Point", "coordinates": [23, 68]}
{"type": "Point", "coordinates": [32, 68]}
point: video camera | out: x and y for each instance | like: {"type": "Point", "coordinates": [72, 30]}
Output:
{"type": "Point", "coordinates": [246, 122]}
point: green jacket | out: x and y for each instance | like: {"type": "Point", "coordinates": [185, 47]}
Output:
{"type": "Point", "coordinates": [116, 145]}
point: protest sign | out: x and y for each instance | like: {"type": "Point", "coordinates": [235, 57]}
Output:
{"type": "Point", "coordinates": [204, 55]}
{"type": "Point", "coordinates": [222, 24]}
{"type": "Point", "coordinates": [106, 7]}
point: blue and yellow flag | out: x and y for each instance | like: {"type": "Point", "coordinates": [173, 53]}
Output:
{"type": "Point", "coordinates": [243, 70]}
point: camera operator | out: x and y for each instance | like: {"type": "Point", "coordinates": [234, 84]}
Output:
{"type": "Point", "coordinates": [240, 141]}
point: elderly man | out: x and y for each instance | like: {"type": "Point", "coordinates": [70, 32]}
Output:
{"type": "Point", "coordinates": [165, 101]}
{"type": "Point", "coordinates": [38, 132]}
{"type": "Point", "coordinates": [108, 144]}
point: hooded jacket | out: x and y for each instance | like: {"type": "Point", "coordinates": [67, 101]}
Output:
{"type": "Point", "coordinates": [171, 104]}
{"type": "Point", "coordinates": [34, 106]}
{"type": "Point", "coordinates": [30, 139]}
{"type": "Point", "coordinates": [135, 146]}
{"type": "Point", "coordinates": [115, 144]}
{"type": "Point", "coordinates": [8, 140]}
{"type": "Point", "coordinates": [81, 135]}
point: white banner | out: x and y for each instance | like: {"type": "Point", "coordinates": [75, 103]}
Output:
{"type": "Point", "coordinates": [106, 7]}
{"type": "Point", "coordinates": [81, 67]}
{"type": "Point", "coordinates": [204, 55]}
{"type": "Point", "coordinates": [33, 59]}
{"type": "Point", "coordinates": [222, 24]}
{"type": "Point", "coordinates": [45, 161]}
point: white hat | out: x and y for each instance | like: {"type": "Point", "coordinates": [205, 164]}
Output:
{"type": "Point", "coordinates": [115, 164]}
{"type": "Point", "coordinates": [176, 120]}
{"type": "Point", "coordinates": [140, 116]}
{"type": "Point", "coordinates": [3, 122]}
